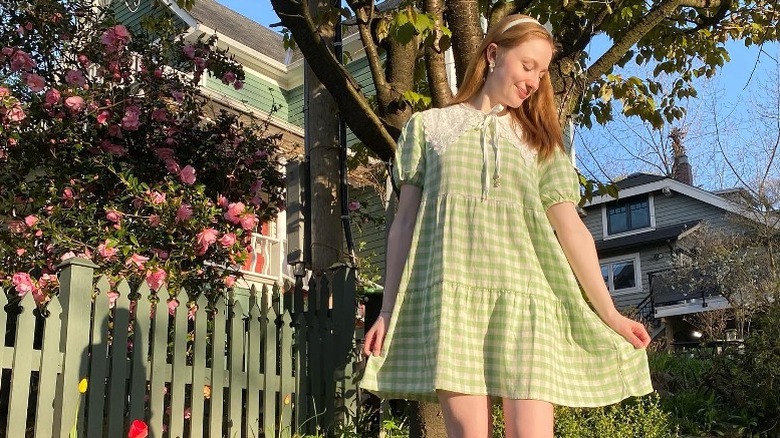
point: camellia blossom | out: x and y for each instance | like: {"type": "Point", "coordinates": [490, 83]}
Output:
{"type": "Point", "coordinates": [157, 198]}
{"type": "Point", "coordinates": [131, 120]}
{"type": "Point", "coordinates": [156, 278]}
{"type": "Point", "coordinates": [53, 96]}
{"type": "Point", "coordinates": [137, 260]}
{"type": "Point", "coordinates": [31, 220]}
{"type": "Point", "coordinates": [189, 51]}
{"type": "Point", "coordinates": [249, 221]}
{"type": "Point", "coordinates": [234, 212]}
{"type": "Point", "coordinates": [103, 116]}
{"type": "Point", "coordinates": [21, 61]}
{"type": "Point", "coordinates": [204, 239]}
{"type": "Point", "coordinates": [138, 429]}
{"type": "Point", "coordinates": [187, 175]}
{"type": "Point", "coordinates": [154, 220]}
{"type": "Point", "coordinates": [35, 82]}
{"type": "Point", "coordinates": [228, 240]}
{"type": "Point", "coordinates": [230, 280]}
{"type": "Point", "coordinates": [106, 251]}
{"type": "Point", "coordinates": [184, 213]}
{"type": "Point", "coordinates": [115, 38]}
{"type": "Point", "coordinates": [353, 206]}
{"type": "Point", "coordinates": [16, 114]}
{"type": "Point", "coordinates": [75, 77]}
{"type": "Point", "coordinates": [172, 305]}
{"type": "Point", "coordinates": [113, 216]}
{"type": "Point", "coordinates": [228, 78]}
{"type": "Point", "coordinates": [75, 103]}
{"type": "Point", "coordinates": [23, 283]}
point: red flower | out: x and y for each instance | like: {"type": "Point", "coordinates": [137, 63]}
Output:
{"type": "Point", "coordinates": [138, 429]}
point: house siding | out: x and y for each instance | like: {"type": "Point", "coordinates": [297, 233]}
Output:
{"type": "Point", "coordinates": [132, 19]}
{"type": "Point", "coordinates": [258, 93]}
{"type": "Point", "coordinates": [370, 236]}
{"type": "Point", "coordinates": [294, 99]}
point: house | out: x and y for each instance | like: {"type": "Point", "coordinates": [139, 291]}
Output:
{"type": "Point", "coordinates": [637, 235]}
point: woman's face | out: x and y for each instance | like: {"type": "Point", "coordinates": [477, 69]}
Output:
{"type": "Point", "coordinates": [518, 71]}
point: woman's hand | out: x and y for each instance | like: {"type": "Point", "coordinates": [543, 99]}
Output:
{"type": "Point", "coordinates": [376, 335]}
{"type": "Point", "coordinates": [633, 331]}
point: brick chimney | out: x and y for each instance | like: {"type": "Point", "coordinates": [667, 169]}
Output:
{"type": "Point", "coordinates": [681, 169]}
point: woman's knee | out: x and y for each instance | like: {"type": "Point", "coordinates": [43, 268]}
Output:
{"type": "Point", "coordinates": [528, 418]}
{"type": "Point", "coordinates": [465, 415]}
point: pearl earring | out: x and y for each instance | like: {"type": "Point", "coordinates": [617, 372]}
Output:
{"type": "Point", "coordinates": [491, 66]}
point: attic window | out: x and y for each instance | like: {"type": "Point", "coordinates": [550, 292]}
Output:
{"type": "Point", "coordinates": [628, 215]}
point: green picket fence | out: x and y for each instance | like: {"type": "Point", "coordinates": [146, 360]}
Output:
{"type": "Point", "coordinates": [275, 365]}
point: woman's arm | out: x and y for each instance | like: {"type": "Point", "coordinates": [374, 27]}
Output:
{"type": "Point", "coordinates": [580, 250]}
{"type": "Point", "coordinates": [399, 240]}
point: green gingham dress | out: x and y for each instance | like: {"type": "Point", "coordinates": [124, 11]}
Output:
{"type": "Point", "coordinates": [488, 304]}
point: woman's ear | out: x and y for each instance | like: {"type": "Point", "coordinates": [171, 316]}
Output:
{"type": "Point", "coordinates": [490, 53]}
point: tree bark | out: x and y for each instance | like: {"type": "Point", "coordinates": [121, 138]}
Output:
{"type": "Point", "coordinates": [435, 64]}
{"type": "Point", "coordinates": [463, 18]}
{"type": "Point", "coordinates": [322, 149]}
{"type": "Point", "coordinates": [426, 421]}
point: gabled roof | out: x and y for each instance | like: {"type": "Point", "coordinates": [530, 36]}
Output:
{"type": "Point", "coordinates": [643, 183]}
{"type": "Point", "coordinates": [239, 28]}
{"type": "Point", "coordinates": [670, 233]}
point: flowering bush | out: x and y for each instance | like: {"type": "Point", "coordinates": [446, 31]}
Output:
{"type": "Point", "coordinates": [108, 152]}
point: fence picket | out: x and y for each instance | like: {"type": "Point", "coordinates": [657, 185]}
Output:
{"type": "Point", "coordinates": [235, 368]}
{"type": "Point", "coordinates": [217, 370]}
{"type": "Point", "coordinates": [140, 373]}
{"type": "Point", "coordinates": [117, 386]}
{"type": "Point", "coordinates": [98, 369]}
{"type": "Point", "coordinates": [3, 323]}
{"type": "Point", "coordinates": [253, 375]}
{"type": "Point", "coordinates": [199, 369]}
{"type": "Point", "coordinates": [50, 360]}
{"type": "Point", "coordinates": [159, 347]}
{"type": "Point", "coordinates": [301, 375]}
{"type": "Point", "coordinates": [22, 368]}
{"type": "Point", "coordinates": [328, 393]}
{"type": "Point", "coordinates": [268, 320]}
{"type": "Point", "coordinates": [314, 359]}
{"type": "Point", "coordinates": [179, 365]}
{"type": "Point", "coordinates": [287, 386]}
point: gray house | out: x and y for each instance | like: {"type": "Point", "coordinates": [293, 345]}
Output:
{"type": "Point", "coordinates": [636, 236]}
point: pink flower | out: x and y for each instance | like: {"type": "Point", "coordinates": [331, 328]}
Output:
{"type": "Point", "coordinates": [199, 62]}
{"type": "Point", "coordinates": [228, 78]}
{"type": "Point", "coordinates": [222, 201]}
{"type": "Point", "coordinates": [172, 305]}
{"type": "Point", "coordinates": [249, 221]}
{"type": "Point", "coordinates": [35, 82]}
{"type": "Point", "coordinates": [164, 153]}
{"type": "Point", "coordinates": [187, 175]}
{"type": "Point", "coordinates": [131, 120]}
{"type": "Point", "coordinates": [115, 38]}
{"type": "Point", "coordinates": [113, 149]}
{"type": "Point", "coordinates": [137, 260]}
{"type": "Point", "coordinates": [75, 103]}
{"type": "Point", "coordinates": [4, 92]}
{"type": "Point", "coordinates": [103, 117]}
{"type": "Point", "coordinates": [230, 280]}
{"type": "Point", "coordinates": [160, 115]}
{"type": "Point", "coordinates": [189, 51]}
{"type": "Point", "coordinates": [112, 296]}
{"type": "Point", "coordinates": [204, 239]}
{"type": "Point", "coordinates": [106, 251]}
{"type": "Point", "coordinates": [237, 85]}
{"type": "Point", "coordinates": [187, 413]}
{"type": "Point", "coordinates": [113, 216]}
{"type": "Point", "coordinates": [353, 206]}
{"type": "Point", "coordinates": [31, 220]}
{"type": "Point", "coordinates": [53, 96]}
{"type": "Point", "coordinates": [191, 312]}
{"type": "Point", "coordinates": [16, 114]}
{"type": "Point", "coordinates": [20, 251]}
{"type": "Point", "coordinates": [156, 278]}
{"type": "Point", "coordinates": [23, 283]}
{"type": "Point", "coordinates": [67, 256]}
{"type": "Point", "coordinates": [183, 213]}
{"type": "Point", "coordinates": [172, 166]}
{"type": "Point", "coordinates": [75, 77]}
{"type": "Point", "coordinates": [16, 227]}
{"type": "Point", "coordinates": [154, 220]}
{"type": "Point", "coordinates": [234, 212]}
{"type": "Point", "coordinates": [20, 60]}
{"type": "Point", "coordinates": [228, 240]}
{"type": "Point", "coordinates": [157, 198]}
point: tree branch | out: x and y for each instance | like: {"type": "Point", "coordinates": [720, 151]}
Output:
{"type": "Point", "coordinates": [441, 93]}
{"type": "Point", "coordinates": [357, 112]}
{"type": "Point", "coordinates": [637, 31]}
{"type": "Point", "coordinates": [364, 16]}
{"type": "Point", "coordinates": [463, 17]}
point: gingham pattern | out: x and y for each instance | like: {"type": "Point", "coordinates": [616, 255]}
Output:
{"type": "Point", "coordinates": [488, 303]}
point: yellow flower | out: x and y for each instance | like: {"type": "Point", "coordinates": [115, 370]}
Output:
{"type": "Point", "coordinates": [83, 386]}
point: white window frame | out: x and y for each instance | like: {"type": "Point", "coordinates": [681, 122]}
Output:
{"type": "Point", "coordinates": [635, 258]}
{"type": "Point", "coordinates": [605, 221]}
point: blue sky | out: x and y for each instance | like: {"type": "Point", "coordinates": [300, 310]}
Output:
{"type": "Point", "coordinates": [727, 97]}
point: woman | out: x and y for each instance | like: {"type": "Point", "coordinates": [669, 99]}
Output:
{"type": "Point", "coordinates": [484, 256]}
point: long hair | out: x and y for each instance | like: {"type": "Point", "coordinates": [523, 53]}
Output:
{"type": "Point", "coordinates": [536, 116]}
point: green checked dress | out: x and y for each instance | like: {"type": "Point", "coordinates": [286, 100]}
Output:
{"type": "Point", "coordinates": [487, 302]}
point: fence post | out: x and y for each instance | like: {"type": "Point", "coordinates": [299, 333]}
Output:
{"type": "Point", "coordinates": [76, 300]}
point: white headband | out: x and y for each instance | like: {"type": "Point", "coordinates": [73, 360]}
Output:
{"type": "Point", "coordinates": [525, 20]}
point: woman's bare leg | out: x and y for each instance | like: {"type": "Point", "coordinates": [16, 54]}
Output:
{"type": "Point", "coordinates": [466, 416]}
{"type": "Point", "coordinates": [528, 418]}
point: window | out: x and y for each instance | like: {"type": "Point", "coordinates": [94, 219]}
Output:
{"type": "Point", "coordinates": [622, 275]}
{"type": "Point", "coordinates": [628, 215]}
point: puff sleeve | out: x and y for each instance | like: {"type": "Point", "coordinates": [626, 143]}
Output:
{"type": "Point", "coordinates": [558, 180]}
{"type": "Point", "coordinates": [410, 153]}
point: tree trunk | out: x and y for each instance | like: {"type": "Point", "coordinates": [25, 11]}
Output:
{"type": "Point", "coordinates": [426, 421]}
{"type": "Point", "coordinates": [322, 149]}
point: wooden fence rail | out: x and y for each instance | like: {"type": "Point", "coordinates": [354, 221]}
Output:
{"type": "Point", "coordinates": [266, 367]}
